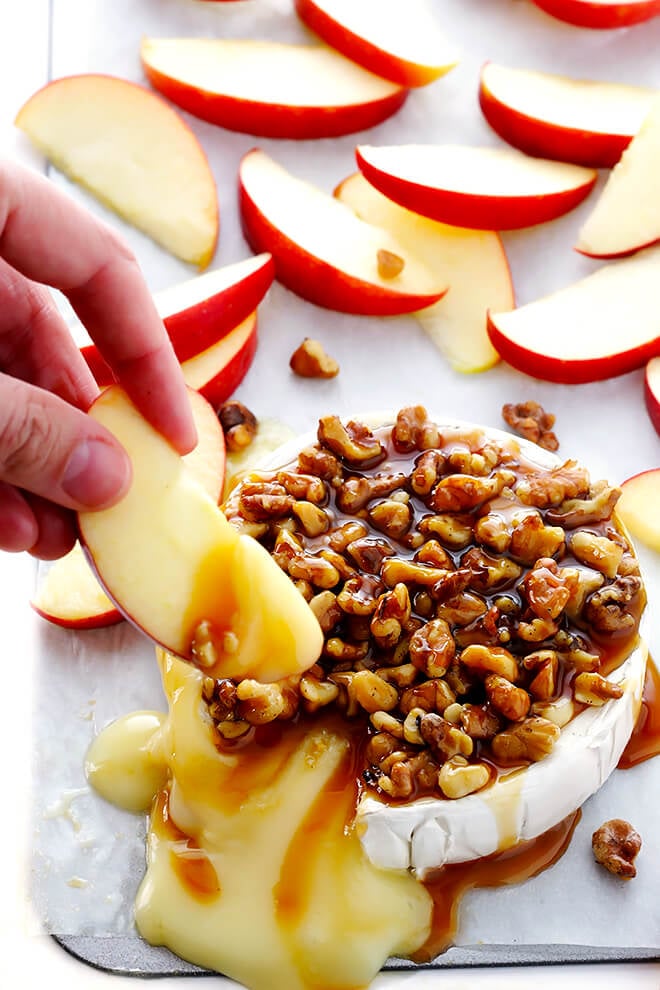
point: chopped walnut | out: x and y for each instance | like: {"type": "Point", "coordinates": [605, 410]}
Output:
{"type": "Point", "coordinates": [320, 462]}
{"type": "Point", "coordinates": [305, 487]}
{"type": "Point", "coordinates": [311, 361]}
{"type": "Point", "coordinates": [392, 517]}
{"type": "Point", "coordinates": [479, 721]}
{"type": "Point", "coordinates": [432, 648]}
{"type": "Point", "coordinates": [531, 539]}
{"type": "Point", "coordinates": [608, 610]}
{"type": "Point", "coordinates": [587, 581]}
{"type": "Point", "coordinates": [317, 694]}
{"type": "Point", "coordinates": [545, 665]}
{"type": "Point", "coordinates": [389, 264]}
{"type": "Point", "coordinates": [355, 493]}
{"type": "Point", "coordinates": [395, 570]}
{"type": "Point", "coordinates": [510, 701]}
{"type": "Point", "coordinates": [427, 472]}
{"type": "Point", "coordinates": [485, 660]}
{"type": "Point", "coordinates": [457, 777]}
{"type": "Point", "coordinates": [391, 613]}
{"type": "Point", "coordinates": [354, 443]}
{"type": "Point", "coordinates": [597, 551]}
{"type": "Point", "coordinates": [444, 739]}
{"type": "Point", "coordinates": [261, 501]}
{"type": "Point", "coordinates": [458, 492]}
{"type": "Point", "coordinates": [369, 553]}
{"type": "Point", "coordinates": [551, 488]}
{"type": "Point", "coordinates": [373, 693]}
{"type": "Point", "coordinates": [584, 512]}
{"type": "Point", "coordinates": [239, 425]}
{"type": "Point", "coordinates": [492, 531]}
{"type": "Point", "coordinates": [414, 431]}
{"type": "Point", "coordinates": [462, 609]}
{"type": "Point", "coordinates": [313, 519]}
{"type": "Point", "coordinates": [326, 609]}
{"type": "Point", "coordinates": [259, 703]}
{"type": "Point", "coordinates": [537, 630]}
{"type": "Point", "coordinates": [338, 539]}
{"type": "Point", "coordinates": [548, 588]}
{"type": "Point", "coordinates": [530, 740]}
{"type": "Point", "coordinates": [489, 572]}
{"type": "Point", "coordinates": [615, 845]}
{"type": "Point", "coordinates": [360, 594]}
{"type": "Point", "coordinates": [452, 529]}
{"type": "Point", "coordinates": [594, 690]}
{"type": "Point", "coordinates": [530, 420]}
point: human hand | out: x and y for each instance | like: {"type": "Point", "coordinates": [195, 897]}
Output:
{"type": "Point", "coordinates": [53, 457]}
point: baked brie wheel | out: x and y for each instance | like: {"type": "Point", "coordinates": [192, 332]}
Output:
{"type": "Point", "coordinates": [480, 604]}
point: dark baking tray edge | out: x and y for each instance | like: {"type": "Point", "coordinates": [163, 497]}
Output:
{"type": "Point", "coordinates": [129, 956]}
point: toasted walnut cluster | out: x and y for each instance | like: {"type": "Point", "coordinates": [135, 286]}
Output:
{"type": "Point", "coordinates": [472, 603]}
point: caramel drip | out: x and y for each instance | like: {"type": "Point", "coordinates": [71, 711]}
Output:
{"type": "Point", "coordinates": [645, 739]}
{"type": "Point", "coordinates": [448, 885]}
{"type": "Point", "coordinates": [190, 863]}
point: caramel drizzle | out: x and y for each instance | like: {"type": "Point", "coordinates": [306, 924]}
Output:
{"type": "Point", "coordinates": [644, 742]}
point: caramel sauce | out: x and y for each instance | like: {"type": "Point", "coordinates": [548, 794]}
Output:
{"type": "Point", "coordinates": [213, 599]}
{"type": "Point", "coordinates": [644, 742]}
{"type": "Point", "coordinates": [190, 863]}
{"type": "Point", "coordinates": [516, 865]}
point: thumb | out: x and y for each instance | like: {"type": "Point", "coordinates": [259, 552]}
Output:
{"type": "Point", "coordinates": [52, 449]}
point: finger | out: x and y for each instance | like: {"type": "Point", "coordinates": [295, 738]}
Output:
{"type": "Point", "coordinates": [19, 529]}
{"type": "Point", "coordinates": [57, 530]}
{"type": "Point", "coordinates": [50, 448]}
{"type": "Point", "coordinates": [35, 343]}
{"type": "Point", "coordinates": [102, 280]}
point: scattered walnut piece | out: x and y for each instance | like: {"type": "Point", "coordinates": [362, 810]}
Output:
{"type": "Point", "coordinates": [311, 361]}
{"type": "Point", "coordinates": [615, 845]}
{"type": "Point", "coordinates": [239, 425]}
{"type": "Point", "coordinates": [530, 420]}
{"type": "Point", "coordinates": [389, 264]}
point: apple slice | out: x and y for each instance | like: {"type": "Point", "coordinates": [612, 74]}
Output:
{"type": "Point", "coordinates": [220, 369]}
{"type": "Point", "coordinates": [172, 563]}
{"type": "Point", "coordinates": [70, 595]}
{"type": "Point", "coordinates": [604, 325]}
{"type": "Point", "coordinates": [601, 13]}
{"type": "Point", "coordinates": [132, 151]}
{"type": "Point", "coordinates": [639, 507]}
{"type": "Point", "coordinates": [322, 251]}
{"type": "Point", "coordinates": [626, 216]}
{"type": "Point", "coordinates": [482, 188]}
{"type": "Point", "coordinates": [472, 261]}
{"type": "Point", "coordinates": [652, 391]}
{"type": "Point", "coordinates": [571, 120]}
{"type": "Point", "coordinates": [199, 312]}
{"type": "Point", "coordinates": [269, 88]}
{"type": "Point", "coordinates": [406, 48]}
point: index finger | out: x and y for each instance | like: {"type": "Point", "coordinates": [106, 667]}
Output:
{"type": "Point", "coordinates": [50, 239]}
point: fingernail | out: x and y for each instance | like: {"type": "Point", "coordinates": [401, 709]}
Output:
{"type": "Point", "coordinates": [97, 474]}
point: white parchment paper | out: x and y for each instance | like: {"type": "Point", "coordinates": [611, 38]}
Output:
{"type": "Point", "coordinates": [89, 856]}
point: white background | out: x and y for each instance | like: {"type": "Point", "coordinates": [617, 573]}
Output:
{"type": "Point", "coordinates": [605, 423]}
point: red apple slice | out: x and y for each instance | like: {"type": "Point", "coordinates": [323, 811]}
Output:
{"type": "Point", "coordinates": [268, 88]}
{"type": "Point", "coordinates": [132, 151]}
{"type": "Point", "coordinates": [652, 391]}
{"type": "Point", "coordinates": [639, 505]}
{"type": "Point", "coordinates": [482, 188]}
{"type": "Point", "coordinates": [472, 261]}
{"type": "Point", "coordinates": [70, 595]}
{"type": "Point", "coordinates": [197, 313]}
{"type": "Point", "coordinates": [220, 369]}
{"type": "Point", "coordinates": [170, 560]}
{"type": "Point", "coordinates": [626, 216]}
{"type": "Point", "coordinates": [571, 120]}
{"type": "Point", "coordinates": [604, 325]}
{"type": "Point", "coordinates": [322, 251]}
{"type": "Point", "coordinates": [408, 49]}
{"type": "Point", "coordinates": [601, 13]}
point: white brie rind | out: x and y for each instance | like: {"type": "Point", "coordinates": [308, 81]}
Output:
{"type": "Point", "coordinates": [430, 833]}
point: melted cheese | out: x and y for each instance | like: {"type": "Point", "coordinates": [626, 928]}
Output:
{"type": "Point", "coordinates": [257, 847]}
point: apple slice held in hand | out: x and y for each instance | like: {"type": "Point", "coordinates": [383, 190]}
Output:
{"type": "Point", "coordinates": [134, 153]}
{"type": "Point", "coordinates": [652, 391]}
{"type": "Point", "coordinates": [406, 48]}
{"type": "Point", "coordinates": [176, 568]}
{"type": "Point", "coordinates": [639, 507]}
{"type": "Point", "coordinates": [322, 251]}
{"type": "Point", "coordinates": [199, 312]}
{"type": "Point", "coordinates": [604, 325]}
{"type": "Point", "coordinates": [601, 13]}
{"type": "Point", "coordinates": [472, 261]}
{"type": "Point", "coordinates": [220, 369]}
{"type": "Point", "coordinates": [571, 120]}
{"type": "Point", "coordinates": [626, 216]}
{"type": "Point", "coordinates": [70, 594]}
{"type": "Point", "coordinates": [480, 188]}
{"type": "Point", "coordinates": [269, 88]}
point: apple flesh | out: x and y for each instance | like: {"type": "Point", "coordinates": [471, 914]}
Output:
{"type": "Point", "coordinates": [639, 507]}
{"type": "Point", "coordinates": [70, 594]}
{"type": "Point", "coordinates": [269, 88]}
{"type": "Point", "coordinates": [652, 391]}
{"type": "Point", "coordinates": [601, 13]}
{"type": "Point", "coordinates": [199, 312]}
{"type": "Point", "coordinates": [604, 325]}
{"type": "Point", "coordinates": [472, 261]}
{"type": "Point", "coordinates": [132, 151]}
{"type": "Point", "coordinates": [219, 370]}
{"type": "Point", "coordinates": [571, 120]}
{"type": "Point", "coordinates": [407, 49]}
{"type": "Point", "coordinates": [626, 216]}
{"type": "Point", "coordinates": [479, 188]}
{"type": "Point", "coordinates": [322, 251]}
{"type": "Point", "coordinates": [171, 562]}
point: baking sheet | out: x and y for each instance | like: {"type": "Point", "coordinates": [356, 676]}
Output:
{"type": "Point", "coordinates": [89, 856]}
